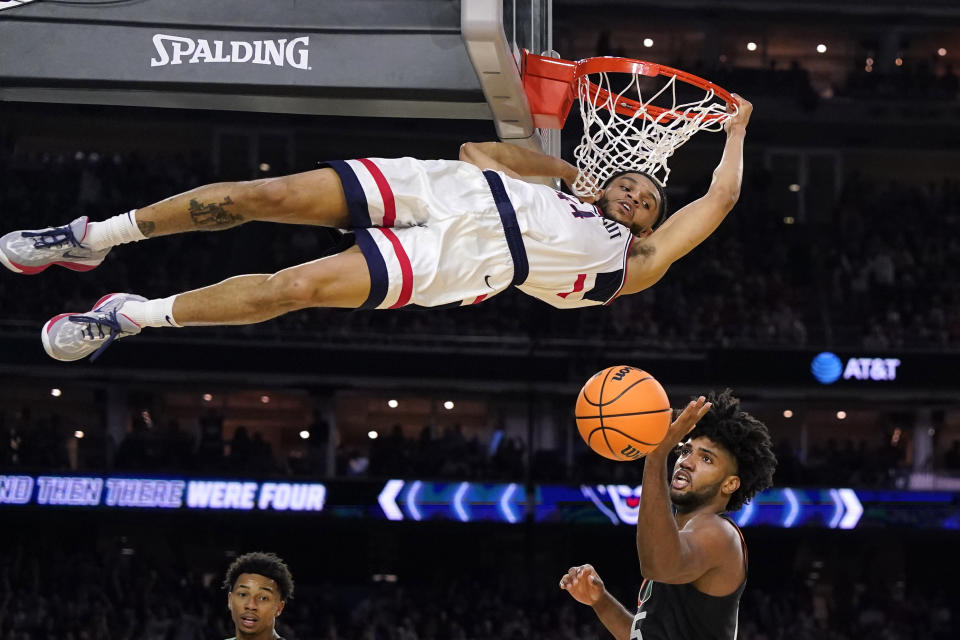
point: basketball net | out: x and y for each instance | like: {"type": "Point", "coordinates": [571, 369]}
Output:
{"type": "Point", "coordinates": [632, 138]}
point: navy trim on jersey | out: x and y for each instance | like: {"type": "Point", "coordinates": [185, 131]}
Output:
{"type": "Point", "coordinates": [606, 286]}
{"type": "Point", "coordinates": [626, 265]}
{"type": "Point", "coordinates": [511, 228]}
{"type": "Point", "coordinates": [356, 198]}
{"type": "Point", "coordinates": [379, 280]}
{"type": "Point", "coordinates": [449, 305]}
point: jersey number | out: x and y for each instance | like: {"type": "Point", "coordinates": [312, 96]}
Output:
{"type": "Point", "coordinates": [577, 208]}
{"type": "Point", "coordinates": [635, 630]}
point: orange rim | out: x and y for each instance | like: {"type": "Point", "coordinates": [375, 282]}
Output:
{"type": "Point", "coordinates": [627, 106]}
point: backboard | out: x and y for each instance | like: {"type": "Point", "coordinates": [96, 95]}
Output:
{"type": "Point", "coordinates": [369, 58]}
{"type": "Point", "coordinates": [524, 24]}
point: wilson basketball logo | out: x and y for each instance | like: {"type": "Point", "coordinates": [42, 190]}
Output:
{"type": "Point", "coordinates": [622, 413]}
{"type": "Point", "coordinates": [630, 451]}
{"type": "Point", "coordinates": [619, 375]}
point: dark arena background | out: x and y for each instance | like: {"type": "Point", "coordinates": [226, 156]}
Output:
{"type": "Point", "coordinates": [420, 470]}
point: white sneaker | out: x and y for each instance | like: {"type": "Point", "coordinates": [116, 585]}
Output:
{"type": "Point", "coordinates": [30, 252]}
{"type": "Point", "coordinates": [72, 336]}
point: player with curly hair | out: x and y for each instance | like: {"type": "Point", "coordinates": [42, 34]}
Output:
{"type": "Point", "coordinates": [692, 555]}
{"type": "Point", "coordinates": [258, 586]}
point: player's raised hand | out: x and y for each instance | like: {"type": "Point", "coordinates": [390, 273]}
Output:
{"type": "Point", "coordinates": [741, 113]}
{"type": "Point", "coordinates": [683, 425]}
{"type": "Point", "coordinates": [583, 584]}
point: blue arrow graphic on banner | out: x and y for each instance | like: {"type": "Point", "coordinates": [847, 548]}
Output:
{"type": "Point", "coordinates": [793, 510]}
{"type": "Point", "coordinates": [854, 508]}
{"type": "Point", "coordinates": [412, 507]}
{"type": "Point", "coordinates": [388, 499]}
{"type": "Point", "coordinates": [505, 509]}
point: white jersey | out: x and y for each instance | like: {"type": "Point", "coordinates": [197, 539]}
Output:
{"type": "Point", "coordinates": [444, 233]}
{"type": "Point", "coordinates": [577, 257]}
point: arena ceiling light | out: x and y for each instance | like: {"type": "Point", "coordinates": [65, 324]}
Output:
{"type": "Point", "coordinates": [372, 434]}
{"type": "Point", "coordinates": [941, 52]}
{"type": "Point", "coordinates": [448, 405]}
{"type": "Point", "coordinates": [56, 393]}
{"type": "Point", "coordinates": [751, 46]}
{"type": "Point", "coordinates": [393, 404]}
{"type": "Point", "coordinates": [648, 42]}
{"type": "Point", "coordinates": [821, 48]}
{"type": "Point", "coordinates": [304, 434]}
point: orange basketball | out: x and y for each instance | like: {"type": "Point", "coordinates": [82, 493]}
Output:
{"type": "Point", "coordinates": [623, 413]}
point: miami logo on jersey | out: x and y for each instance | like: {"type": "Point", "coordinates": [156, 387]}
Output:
{"type": "Point", "coordinates": [646, 590]}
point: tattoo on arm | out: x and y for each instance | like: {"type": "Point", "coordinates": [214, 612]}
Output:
{"type": "Point", "coordinates": [213, 215]}
{"type": "Point", "coordinates": [146, 227]}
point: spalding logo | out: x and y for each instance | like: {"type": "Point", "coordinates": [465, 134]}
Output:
{"type": "Point", "coordinates": [173, 50]}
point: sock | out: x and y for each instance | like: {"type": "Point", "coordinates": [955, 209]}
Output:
{"type": "Point", "coordinates": [152, 313]}
{"type": "Point", "coordinates": [113, 231]}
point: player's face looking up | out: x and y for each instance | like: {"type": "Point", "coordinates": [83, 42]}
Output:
{"type": "Point", "coordinates": [702, 471]}
{"type": "Point", "coordinates": [254, 602]}
{"type": "Point", "coordinates": [631, 200]}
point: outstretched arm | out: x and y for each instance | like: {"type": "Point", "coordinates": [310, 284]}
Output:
{"type": "Point", "coordinates": [667, 554]}
{"type": "Point", "coordinates": [651, 257]}
{"type": "Point", "coordinates": [585, 586]}
{"type": "Point", "coordinates": [516, 162]}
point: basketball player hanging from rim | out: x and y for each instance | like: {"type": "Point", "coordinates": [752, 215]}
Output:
{"type": "Point", "coordinates": [428, 233]}
{"type": "Point", "coordinates": [692, 555]}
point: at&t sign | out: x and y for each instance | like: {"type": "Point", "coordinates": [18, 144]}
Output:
{"type": "Point", "coordinates": [827, 368]}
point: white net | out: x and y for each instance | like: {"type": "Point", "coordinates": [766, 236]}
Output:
{"type": "Point", "coordinates": [614, 142]}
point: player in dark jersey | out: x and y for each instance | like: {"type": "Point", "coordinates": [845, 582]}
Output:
{"type": "Point", "coordinates": [258, 586]}
{"type": "Point", "coordinates": [692, 555]}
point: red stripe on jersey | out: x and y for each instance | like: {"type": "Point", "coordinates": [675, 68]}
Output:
{"type": "Point", "coordinates": [386, 193]}
{"type": "Point", "coordinates": [406, 271]}
{"type": "Point", "coordinates": [577, 286]}
{"type": "Point", "coordinates": [480, 298]}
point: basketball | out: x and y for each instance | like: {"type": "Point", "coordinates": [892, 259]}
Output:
{"type": "Point", "coordinates": [623, 413]}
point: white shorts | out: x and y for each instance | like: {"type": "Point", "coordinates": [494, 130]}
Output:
{"type": "Point", "coordinates": [432, 231]}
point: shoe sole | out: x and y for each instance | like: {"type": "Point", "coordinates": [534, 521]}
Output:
{"type": "Point", "coordinates": [44, 337]}
{"type": "Point", "coordinates": [45, 331]}
{"type": "Point", "coordinates": [29, 271]}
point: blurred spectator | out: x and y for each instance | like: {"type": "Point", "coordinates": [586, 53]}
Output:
{"type": "Point", "coordinates": [123, 588]}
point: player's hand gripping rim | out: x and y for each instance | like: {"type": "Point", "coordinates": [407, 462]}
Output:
{"type": "Point", "coordinates": [739, 111]}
